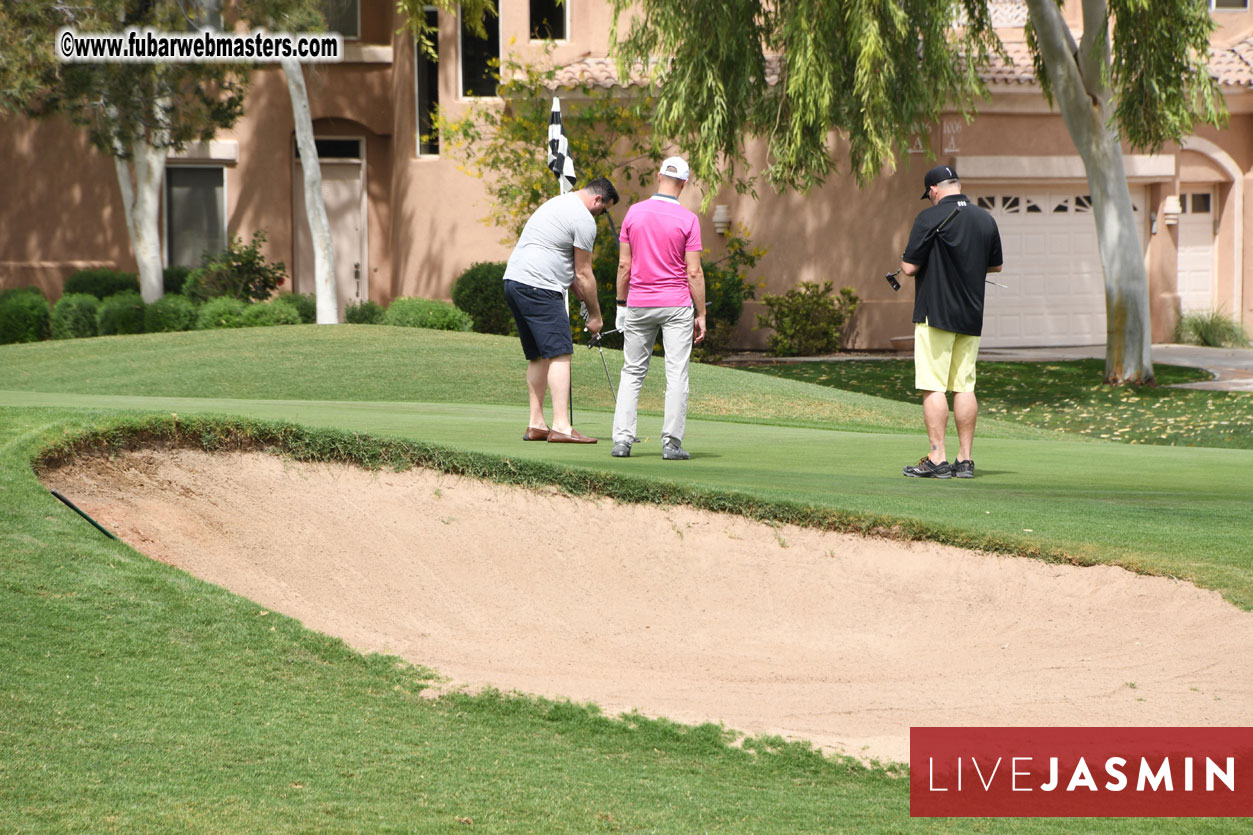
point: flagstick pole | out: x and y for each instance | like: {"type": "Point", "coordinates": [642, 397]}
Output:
{"type": "Point", "coordinates": [570, 401]}
{"type": "Point", "coordinates": [559, 162]}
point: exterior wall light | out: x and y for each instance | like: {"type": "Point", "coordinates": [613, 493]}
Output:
{"type": "Point", "coordinates": [722, 218]}
{"type": "Point", "coordinates": [1171, 209]}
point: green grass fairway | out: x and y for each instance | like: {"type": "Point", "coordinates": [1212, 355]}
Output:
{"type": "Point", "coordinates": [136, 698]}
{"type": "Point", "coordinates": [372, 363]}
{"type": "Point", "coordinates": [1064, 395]}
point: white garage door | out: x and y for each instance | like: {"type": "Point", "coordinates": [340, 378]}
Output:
{"type": "Point", "coordinates": [1055, 285]}
{"type": "Point", "coordinates": [1196, 250]}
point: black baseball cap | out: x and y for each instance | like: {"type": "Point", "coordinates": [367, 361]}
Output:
{"type": "Point", "coordinates": [936, 176]}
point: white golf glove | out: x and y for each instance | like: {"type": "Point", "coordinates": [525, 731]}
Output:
{"type": "Point", "coordinates": [619, 319]}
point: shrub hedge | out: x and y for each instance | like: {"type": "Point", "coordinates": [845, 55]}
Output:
{"type": "Point", "coordinates": [265, 314]}
{"type": "Point", "coordinates": [13, 291]}
{"type": "Point", "coordinates": [101, 282]}
{"type": "Point", "coordinates": [807, 320]}
{"type": "Point", "coordinates": [24, 317]}
{"type": "Point", "coordinates": [173, 278]}
{"type": "Point", "coordinates": [120, 313]}
{"type": "Point", "coordinates": [169, 313]}
{"type": "Point", "coordinates": [74, 316]}
{"type": "Point", "coordinates": [306, 305]}
{"type": "Point", "coordinates": [222, 312]}
{"type": "Point", "coordinates": [480, 292]}
{"type": "Point", "coordinates": [366, 313]}
{"type": "Point", "coordinates": [427, 313]}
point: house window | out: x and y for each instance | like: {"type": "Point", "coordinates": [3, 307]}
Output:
{"type": "Point", "coordinates": [426, 86]}
{"type": "Point", "coordinates": [480, 58]}
{"type": "Point", "coordinates": [342, 16]}
{"type": "Point", "coordinates": [1200, 204]}
{"type": "Point", "coordinates": [548, 20]}
{"type": "Point", "coordinates": [334, 149]}
{"type": "Point", "coordinates": [1229, 5]}
{"type": "Point", "coordinates": [195, 214]}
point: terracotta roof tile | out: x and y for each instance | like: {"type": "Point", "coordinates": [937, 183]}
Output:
{"type": "Point", "coordinates": [1019, 70]}
{"type": "Point", "coordinates": [595, 72]}
{"type": "Point", "coordinates": [1233, 65]}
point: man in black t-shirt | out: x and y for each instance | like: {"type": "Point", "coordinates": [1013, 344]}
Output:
{"type": "Point", "coordinates": [952, 248]}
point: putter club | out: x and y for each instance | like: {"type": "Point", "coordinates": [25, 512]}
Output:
{"type": "Point", "coordinates": [595, 340]}
{"type": "Point", "coordinates": [896, 285]}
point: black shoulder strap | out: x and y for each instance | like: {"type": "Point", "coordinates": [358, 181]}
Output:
{"type": "Point", "coordinates": [943, 223]}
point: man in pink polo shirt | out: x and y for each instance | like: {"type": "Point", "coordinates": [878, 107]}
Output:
{"type": "Point", "coordinates": [661, 287]}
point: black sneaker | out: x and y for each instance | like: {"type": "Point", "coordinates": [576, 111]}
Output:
{"type": "Point", "coordinates": [964, 469]}
{"type": "Point", "coordinates": [926, 469]}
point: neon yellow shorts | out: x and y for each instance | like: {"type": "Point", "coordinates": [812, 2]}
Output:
{"type": "Point", "coordinates": [943, 360]}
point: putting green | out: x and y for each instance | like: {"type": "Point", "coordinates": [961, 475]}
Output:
{"type": "Point", "coordinates": [1150, 508]}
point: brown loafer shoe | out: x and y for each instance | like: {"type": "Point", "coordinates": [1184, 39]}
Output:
{"type": "Point", "coordinates": [533, 434]}
{"type": "Point", "coordinates": [575, 437]}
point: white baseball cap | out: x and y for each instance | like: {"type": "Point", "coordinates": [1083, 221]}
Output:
{"type": "Point", "coordinates": [675, 167]}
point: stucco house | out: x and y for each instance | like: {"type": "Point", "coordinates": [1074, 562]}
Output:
{"type": "Point", "coordinates": [407, 220]}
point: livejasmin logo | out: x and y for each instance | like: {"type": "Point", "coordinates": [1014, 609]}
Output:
{"type": "Point", "coordinates": [1081, 772]}
{"type": "Point", "coordinates": [1081, 777]}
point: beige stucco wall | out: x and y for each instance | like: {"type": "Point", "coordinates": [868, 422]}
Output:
{"type": "Point", "coordinates": [60, 207]}
{"type": "Point", "coordinates": [1231, 25]}
{"type": "Point", "coordinates": [437, 208]}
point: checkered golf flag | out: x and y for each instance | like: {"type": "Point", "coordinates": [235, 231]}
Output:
{"type": "Point", "coordinates": [559, 161]}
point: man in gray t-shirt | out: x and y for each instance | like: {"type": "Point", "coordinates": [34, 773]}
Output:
{"type": "Point", "coordinates": [553, 254]}
{"type": "Point", "coordinates": [544, 254]}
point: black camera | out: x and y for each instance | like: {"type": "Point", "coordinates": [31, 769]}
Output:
{"type": "Point", "coordinates": [891, 279]}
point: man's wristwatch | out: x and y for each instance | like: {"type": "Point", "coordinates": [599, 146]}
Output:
{"type": "Point", "coordinates": [621, 301]}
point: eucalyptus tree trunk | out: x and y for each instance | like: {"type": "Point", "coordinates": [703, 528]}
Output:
{"type": "Point", "coordinates": [315, 206]}
{"type": "Point", "coordinates": [139, 177]}
{"type": "Point", "coordinates": [1079, 80]}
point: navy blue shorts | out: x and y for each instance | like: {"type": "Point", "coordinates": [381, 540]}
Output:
{"type": "Point", "coordinates": [543, 321]}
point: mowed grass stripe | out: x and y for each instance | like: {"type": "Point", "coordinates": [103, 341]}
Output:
{"type": "Point", "coordinates": [386, 364]}
{"type": "Point", "coordinates": [1172, 511]}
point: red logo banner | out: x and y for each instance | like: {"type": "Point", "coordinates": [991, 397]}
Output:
{"type": "Point", "coordinates": [1081, 772]}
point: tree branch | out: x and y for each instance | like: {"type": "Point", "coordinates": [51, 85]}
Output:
{"type": "Point", "coordinates": [1058, 49]}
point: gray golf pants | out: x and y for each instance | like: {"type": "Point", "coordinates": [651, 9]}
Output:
{"type": "Point", "coordinates": [642, 324]}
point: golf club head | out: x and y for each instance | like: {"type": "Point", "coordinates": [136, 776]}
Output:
{"type": "Point", "coordinates": [891, 279]}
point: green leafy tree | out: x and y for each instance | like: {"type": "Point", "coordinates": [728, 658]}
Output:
{"type": "Point", "coordinates": [882, 73]}
{"type": "Point", "coordinates": [609, 132]}
{"type": "Point", "coordinates": [134, 112]}
{"type": "Point", "coordinates": [303, 16]}
{"type": "Point", "coordinates": [472, 12]}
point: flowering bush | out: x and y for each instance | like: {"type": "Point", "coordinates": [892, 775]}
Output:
{"type": "Point", "coordinates": [239, 272]}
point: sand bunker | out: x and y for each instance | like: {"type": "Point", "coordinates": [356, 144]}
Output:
{"type": "Point", "coordinates": [695, 616]}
